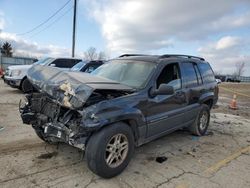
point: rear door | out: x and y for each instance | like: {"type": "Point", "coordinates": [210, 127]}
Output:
{"type": "Point", "coordinates": [193, 88]}
{"type": "Point", "coordinates": [210, 85]}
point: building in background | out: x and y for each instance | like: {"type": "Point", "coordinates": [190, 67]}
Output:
{"type": "Point", "coordinates": [8, 61]}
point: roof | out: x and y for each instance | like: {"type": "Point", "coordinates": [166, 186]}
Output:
{"type": "Point", "coordinates": [156, 58]}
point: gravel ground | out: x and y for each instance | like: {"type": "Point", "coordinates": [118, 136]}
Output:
{"type": "Point", "coordinates": [219, 159]}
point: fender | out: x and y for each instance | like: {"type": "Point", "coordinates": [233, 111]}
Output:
{"type": "Point", "coordinates": [105, 118]}
{"type": "Point", "coordinates": [132, 116]}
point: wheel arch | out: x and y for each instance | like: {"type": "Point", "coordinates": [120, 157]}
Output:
{"type": "Point", "coordinates": [208, 99]}
{"type": "Point", "coordinates": [134, 126]}
{"type": "Point", "coordinates": [209, 102]}
{"type": "Point", "coordinates": [25, 77]}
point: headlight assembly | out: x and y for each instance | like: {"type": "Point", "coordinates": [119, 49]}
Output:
{"type": "Point", "coordinates": [16, 72]}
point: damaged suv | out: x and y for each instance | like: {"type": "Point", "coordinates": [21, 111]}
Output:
{"type": "Point", "coordinates": [127, 102]}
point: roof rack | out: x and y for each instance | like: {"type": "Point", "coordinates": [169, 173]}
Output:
{"type": "Point", "coordinates": [127, 55]}
{"type": "Point", "coordinates": [179, 55]}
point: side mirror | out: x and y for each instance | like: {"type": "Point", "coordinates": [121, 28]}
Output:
{"type": "Point", "coordinates": [163, 89]}
{"type": "Point", "coordinates": [52, 65]}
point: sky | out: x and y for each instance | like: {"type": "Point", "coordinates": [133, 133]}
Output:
{"type": "Point", "coordinates": [219, 32]}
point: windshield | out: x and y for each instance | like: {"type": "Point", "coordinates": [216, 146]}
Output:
{"type": "Point", "coordinates": [78, 66]}
{"type": "Point", "coordinates": [128, 72]}
{"type": "Point", "coordinates": [43, 61]}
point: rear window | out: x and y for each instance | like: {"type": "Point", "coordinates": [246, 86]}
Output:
{"type": "Point", "coordinates": [206, 72]}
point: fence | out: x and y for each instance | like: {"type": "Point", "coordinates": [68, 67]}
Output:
{"type": "Point", "coordinates": [244, 78]}
{"type": "Point", "coordinates": [8, 61]}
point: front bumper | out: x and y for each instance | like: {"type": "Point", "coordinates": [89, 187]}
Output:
{"type": "Point", "coordinates": [55, 124]}
{"type": "Point", "coordinates": [12, 82]}
{"type": "Point", "coordinates": [56, 133]}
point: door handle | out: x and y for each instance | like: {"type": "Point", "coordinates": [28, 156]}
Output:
{"type": "Point", "coordinates": [180, 96]}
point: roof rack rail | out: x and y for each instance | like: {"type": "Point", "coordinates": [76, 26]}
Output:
{"type": "Point", "coordinates": [127, 55]}
{"type": "Point", "coordinates": [179, 55]}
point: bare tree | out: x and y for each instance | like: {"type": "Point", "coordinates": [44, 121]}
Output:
{"type": "Point", "coordinates": [92, 54]}
{"type": "Point", "coordinates": [102, 56]}
{"type": "Point", "coordinates": [239, 68]}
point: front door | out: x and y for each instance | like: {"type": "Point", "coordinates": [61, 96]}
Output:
{"type": "Point", "coordinates": [165, 112]}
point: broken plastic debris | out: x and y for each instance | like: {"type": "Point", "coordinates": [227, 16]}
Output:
{"type": "Point", "coordinates": [1, 128]}
{"type": "Point", "coordinates": [67, 88]}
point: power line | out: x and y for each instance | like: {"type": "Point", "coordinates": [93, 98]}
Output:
{"type": "Point", "coordinates": [49, 18]}
{"type": "Point", "coordinates": [67, 11]}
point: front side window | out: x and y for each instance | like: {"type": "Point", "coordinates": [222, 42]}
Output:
{"type": "Point", "coordinates": [170, 75]}
{"type": "Point", "coordinates": [65, 63]}
{"type": "Point", "coordinates": [128, 72]}
{"type": "Point", "coordinates": [43, 61]}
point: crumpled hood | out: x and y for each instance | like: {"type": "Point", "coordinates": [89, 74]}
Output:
{"type": "Point", "coordinates": [71, 89]}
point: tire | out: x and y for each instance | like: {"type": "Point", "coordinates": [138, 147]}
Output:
{"type": "Point", "coordinates": [26, 86]}
{"type": "Point", "coordinates": [199, 127]}
{"type": "Point", "coordinates": [101, 145]}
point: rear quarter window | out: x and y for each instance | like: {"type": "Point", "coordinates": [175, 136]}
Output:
{"type": "Point", "coordinates": [206, 72]}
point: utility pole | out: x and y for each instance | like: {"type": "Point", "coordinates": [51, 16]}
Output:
{"type": "Point", "coordinates": [74, 29]}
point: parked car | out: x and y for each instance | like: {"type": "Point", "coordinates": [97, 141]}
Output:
{"type": "Point", "coordinates": [16, 75]}
{"type": "Point", "coordinates": [228, 78]}
{"type": "Point", "coordinates": [127, 102]}
{"type": "Point", "coordinates": [218, 80]}
{"type": "Point", "coordinates": [232, 79]}
{"type": "Point", "coordinates": [87, 66]}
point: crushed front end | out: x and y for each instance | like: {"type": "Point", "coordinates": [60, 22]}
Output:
{"type": "Point", "coordinates": [53, 122]}
{"type": "Point", "coordinates": [66, 107]}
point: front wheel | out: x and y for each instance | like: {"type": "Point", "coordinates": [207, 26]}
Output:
{"type": "Point", "coordinates": [199, 127]}
{"type": "Point", "coordinates": [109, 150]}
{"type": "Point", "coordinates": [26, 86]}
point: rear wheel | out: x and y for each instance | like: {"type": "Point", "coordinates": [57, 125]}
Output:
{"type": "Point", "coordinates": [109, 151]}
{"type": "Point", "coordinates": [199, 127]}
{"type": "Point", "coordinates": [26, 86]}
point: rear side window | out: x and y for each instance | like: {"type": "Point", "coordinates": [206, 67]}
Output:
{"type": "Point", "coordinates": [189, 74]}
{"type": "Point", "coordinates": [91, 68]}
{"type": "Point", "coordinates": [65, 63]}
{"type": "Point", "coordinates": [206, 72]}
{"type": "Point", "coordinates": [198, 74]}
